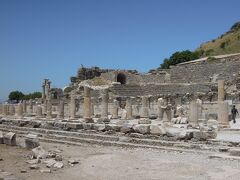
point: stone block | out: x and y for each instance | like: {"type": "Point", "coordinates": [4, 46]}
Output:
{"type": "Point", "coordinates": [142, 128]}
{"type": "Point", "coordinates": [39, 153]}
{"type": "Point", "coordinates": [157, 130]}
{"type": "Point", "coordinates": [234, 152]}
{"type": "Point", "coordinates": [127, 128]}
{"type": "Point", "coordinates": [87, 126]}
{"type": "Point", "coordinates": [113, 127]}
{"type": "Point", "coordinates": [204, 135]}
{"type": "Point", "coordinates": [31, 141]}
{"type": "Point", "coordinates": [144, 121]}
{"type": "Point", "coordinates": [99, 127]}
{"type": "Point", "coordinates": [10, 139]}
{"type": "Point", "coordinates": [74, 126]}
{"type": "Point", "coordinates": [178, 133]}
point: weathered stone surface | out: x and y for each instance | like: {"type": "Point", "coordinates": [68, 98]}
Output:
{"type": "Point", "coordinates": [178, 133]}
{"type": "Point", "coordinates": [1, 137]}
{"type": "Point", "coordinates": [50, 162]}
{"type": "Point", "coordinates": [39, 153]}
{"type": "Point", "coordinates": [45, 171]}
{"type": "Point", "coordinates": [74, 126]}
{"type": "Point", "coordinates": [58, 165]}
{"type": "Point", "coordinates": [31, 141]}
{"type": "Point", "coordinates": [113, 127]}
{"type": "Point", "coordinates": [33, 161]}
{"type": "Point", "coordinates": [142, 128]}
{"type": "Point", "coordinates": [157, 130]}
{"type": "Point", "coordinates": [99, 127]}
{"type": "Point", "coordinates": [87, 126]}
{"type": "Point", "coordinates": [10, 139]}
{"type": "Point", "coordinates": [127, 128]}
{"type": "Point", "coordinates": [124, 139]}
{"type": "Point", "coordinates": [234, 152]}
{"type": "Point", "coordinates": [73, 161]}
{"type": "Point", "coordinates": [204, 135]}
{"type": "Point", "coordinates": [144, 121]}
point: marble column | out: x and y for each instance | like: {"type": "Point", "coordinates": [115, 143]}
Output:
{"type": "Point", "coordinates": [39, 111]}
{"type": "Point", "coordinates": [49, 109]}
{"type": "Point", "coordinates": [223, 117]}
{"type": "Point", "coordinates": [87, 105]}
{"type": "Point", "coordinates": [72, 106]}
{"type": "Point", "coordinates": [104, 105]}
{"type": "Point", "coordinates": [24, 106]}
{"type": "Point", "coordinates": [194, 115]}
{"type": "Point", "coordinates": [129, 109]}
{"type": "Point", "coordinates": [44, 109]}
{"type": "Point", "coordinates": [145, 108]}
{"type": "Point", "coordinates": [160, 108]}
{"type": "Point", "coordinates": [11, 110]}
{"type": "Point", "coordinates": [221, 94]}
{"type": "Point", "coordinates": [43, 91]}
{"type": "Point", "coordinates": [20, 110]}
{"type": "Point", "coordinates": [5, 110]}
{"type": "Point", "coordinates": [30, 106]}
{"type": "Point", "coordinates": [61, 109]}
{"type": "Point", "coordinates": [115, 109]}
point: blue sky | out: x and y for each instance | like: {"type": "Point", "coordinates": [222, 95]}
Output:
{"type": "Point", "coordinates": [52, 38]}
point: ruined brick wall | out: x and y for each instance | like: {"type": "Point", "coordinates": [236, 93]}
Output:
{"type": "Point", "coordinates": [206, 71]}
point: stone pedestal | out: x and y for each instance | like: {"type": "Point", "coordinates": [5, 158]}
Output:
{"type": "Point", "coordinates": [145, 108]}
{"type": "Point", "coordinates": [39, 111]}
{"type": "Point", "coordinates": [87, 105]}
{"type": "Point", "coordinates": [221, 94]}
{"type": "Point", "coordinates": [49, 109]}
{"type": "Point", "coordinates": [223, 117]}
{"type": "Point", "coordinates": [104, 106]}
{"type": "Point", "coordinates": [115, 109]}
{"type": "Point", "coordinates": [193, 118]}
{"type": "Point", "coordinates": [60, 110]}
{"type": "Point", "coordinates": [72, 106]}
{"type": "Point", "coordinates": [129, 109]}
{"type": "Point", "coordinates": [20, 110]}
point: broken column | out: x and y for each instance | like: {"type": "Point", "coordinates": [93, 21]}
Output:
{"type": "Point", "coordinates": [129, 109]}
{"type": "Point", "coordinates": [49, 109]}
{"type": "Point", "coordinates": [144, 111]}
{"type": "Point", "coordinates": [193, 117]}
{"type": "Point", "coordinates": [221, 95]}
{"type": "Point", "coordinates": [104, 106]}
{"type": "Point", "coordinates": [161, 107]}
{"type": "Point", "coordinates": [39, 111]}
{"type": "Point", "coordinates": [11, 109]}
{"type": "Point", "coordinates": [115, 109]}
{"type": "Point", "coordinates": [72, 106]}
{"type": "Point", "coordinates": [60, 110]}
{"type": "Point", "coordinates": [223, 117]}
{"type": "Point", "coordinates": [20, 110]}
{"type": "Point", "coordinates": [87, 105]}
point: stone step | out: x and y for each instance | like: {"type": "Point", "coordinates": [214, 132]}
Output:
{"type": "Point", "coordinates": [105, 139]}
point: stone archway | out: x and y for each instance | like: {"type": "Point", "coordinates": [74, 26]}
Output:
{"type": "Point", "coordinates": [121, 78]}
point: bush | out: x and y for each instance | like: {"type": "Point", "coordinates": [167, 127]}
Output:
{"type": "Point", "coordinates": [222, 45]}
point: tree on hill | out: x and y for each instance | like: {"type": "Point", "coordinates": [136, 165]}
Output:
{"type": "Point", "coordinates": [180, 57]}
{"type": "Point", "coordinates": [16, 95]}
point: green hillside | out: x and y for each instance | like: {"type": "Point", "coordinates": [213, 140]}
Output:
{"type": "Point", "coordinates": [225, 44]}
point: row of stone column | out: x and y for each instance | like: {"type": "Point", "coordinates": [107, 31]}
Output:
{"type": "Point", "coordinates": [12, 110]}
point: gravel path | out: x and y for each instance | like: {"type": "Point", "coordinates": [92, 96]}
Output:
{"type": "Point", "coordinates": [113, 163]}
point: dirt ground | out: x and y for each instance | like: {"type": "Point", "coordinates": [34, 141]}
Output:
{"type": "Point", "coordinates": [114, 163]}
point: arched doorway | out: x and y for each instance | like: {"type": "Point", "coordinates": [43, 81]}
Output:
{"type": "Point", "coordinates": [121, 78]}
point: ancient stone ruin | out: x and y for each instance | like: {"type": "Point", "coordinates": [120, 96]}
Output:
{"type": "Point", "coordinates": [188, 101]}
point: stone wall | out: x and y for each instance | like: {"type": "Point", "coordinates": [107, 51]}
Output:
{"type": "Point", "coordinates": [206, 71]}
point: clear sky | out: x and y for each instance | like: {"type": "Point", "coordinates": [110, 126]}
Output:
{"type": "Point", "coordinates": [52, 38]}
